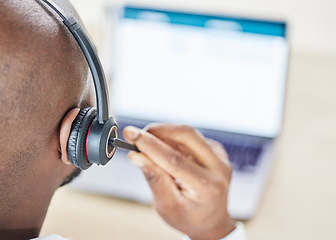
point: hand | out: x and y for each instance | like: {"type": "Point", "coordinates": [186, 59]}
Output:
{"type": "Point", "coordinates": [189, 176]}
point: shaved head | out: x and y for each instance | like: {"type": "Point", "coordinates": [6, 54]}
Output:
{"type": "Point", "coordinates": [43, 74]}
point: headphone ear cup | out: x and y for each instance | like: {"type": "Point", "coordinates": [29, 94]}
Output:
{"type": "Point", "coordinates": [78, 136]}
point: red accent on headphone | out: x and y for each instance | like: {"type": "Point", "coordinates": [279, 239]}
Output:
{"type": "Point", "coordinates": [87, 136]}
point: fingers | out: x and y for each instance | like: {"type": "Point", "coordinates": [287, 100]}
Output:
{"type": "Point", "coordinates": [219, 150]}
{"type": "Point", "coordinates": [189, 176]}
{"type": "Point", "coordinates": [162, 184]}
{"type": "Point", "coordinates": [190, 138]}
{"type": "Point", "coordinates": [172, 161]}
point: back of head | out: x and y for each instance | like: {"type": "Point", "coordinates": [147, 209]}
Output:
{"type": "Point", "coordinates": [43, 74]}
{"type": "Point", "coordinates": [41, 66]}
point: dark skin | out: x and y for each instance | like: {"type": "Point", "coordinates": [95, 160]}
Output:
{"type": "Point", "coordinates": [43, 76]}
{"type": "Point", "coordinates": [189, 176]}
{"type": "Point", "coordinates": [43, 83]}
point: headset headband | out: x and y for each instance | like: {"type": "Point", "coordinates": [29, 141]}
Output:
{"type": "Point", "coordinates": [94, 135]}
{"type": "Point", "coordinates": [93, 61]}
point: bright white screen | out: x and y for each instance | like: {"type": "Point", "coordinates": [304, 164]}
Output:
{"type": "Point", "coordinates": [209, 78]}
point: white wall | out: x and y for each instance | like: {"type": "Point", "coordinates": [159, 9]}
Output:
{"type": "Point", "coordinates": [312, 22]}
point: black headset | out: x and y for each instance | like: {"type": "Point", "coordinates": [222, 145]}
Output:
{"type": "Point", "coordinates": [94, 135]}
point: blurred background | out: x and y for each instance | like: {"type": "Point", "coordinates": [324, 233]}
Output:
{"type": "Point", "coordinates": [311, 22]}
{"type": "Point", "coordinates": [300, 198]}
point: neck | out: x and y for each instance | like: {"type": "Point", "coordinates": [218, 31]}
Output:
{"type": "Point", "coordinates": [18, 234]}
{"type": "Point", "coordinates": [22, 218]}
{"type": "Point", "coordinates": [24, 202]}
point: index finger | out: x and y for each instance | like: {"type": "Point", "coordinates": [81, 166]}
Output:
{"type": "Point", "coordinates": [190, 138]}
{"type": "Point", "coordinates": [166, 157]}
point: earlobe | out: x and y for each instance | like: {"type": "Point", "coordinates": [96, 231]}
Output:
{"type": "Point", "coordinates": [65, 133]}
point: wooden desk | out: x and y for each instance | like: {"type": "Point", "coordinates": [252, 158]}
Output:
{"type": "Point", "coordinates": [299, 203]}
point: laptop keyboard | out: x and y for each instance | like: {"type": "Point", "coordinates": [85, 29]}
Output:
{"type": "Point", "coordinates": [243, 158]}
{"type": "Point", "coordinates": [244, 151]}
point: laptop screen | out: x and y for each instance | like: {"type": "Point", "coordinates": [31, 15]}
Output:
{"type": "Point", "coordinates": [212, 72]}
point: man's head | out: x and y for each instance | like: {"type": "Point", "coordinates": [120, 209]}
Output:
{"type": "Point", "coordinates": [43, 75]}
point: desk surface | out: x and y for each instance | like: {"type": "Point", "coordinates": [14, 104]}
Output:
{"type": "Point", "coordinates": [299, 202]}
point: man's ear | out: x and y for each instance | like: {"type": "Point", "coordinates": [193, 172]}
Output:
{"type": "Point", "coordinates": [65, 133]}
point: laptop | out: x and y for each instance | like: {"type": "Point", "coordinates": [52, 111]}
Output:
{"type": "Point", "coordinates": [224, 75]}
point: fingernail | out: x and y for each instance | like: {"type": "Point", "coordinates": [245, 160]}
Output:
{"type": "Point", "coordinates": [132, 132]}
